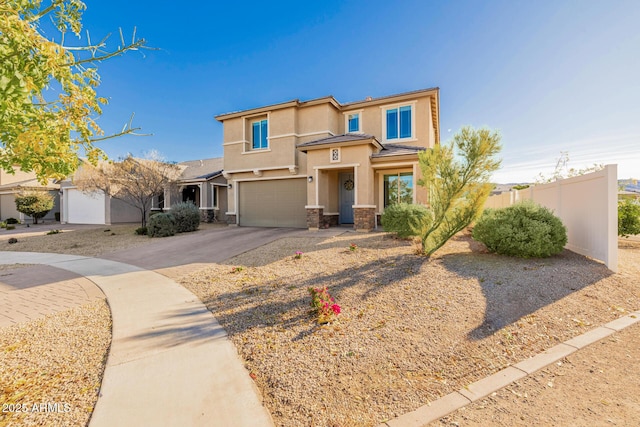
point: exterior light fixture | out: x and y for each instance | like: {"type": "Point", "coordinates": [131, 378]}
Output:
{"type": "Point", "coordinates": [229, 186]}
{"type": "Point", "coordinates": [310, 179]}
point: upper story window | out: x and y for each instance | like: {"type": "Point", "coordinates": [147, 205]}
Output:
{"type": "Point", "coordinates": [399, 122]}
{"type": "Point", "coordinates": [259, 135]}
{"type": "Point", "coordinates": [353, 122]}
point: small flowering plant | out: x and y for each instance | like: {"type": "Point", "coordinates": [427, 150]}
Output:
{"type": "Point", "coordinates": [324, 304]}
{"type": "Point", "coordinates": [353, 247]}
{"type": "Point", "coordinates": [237, 269]}
{"type": "Point", "coordinates": [298, 255]}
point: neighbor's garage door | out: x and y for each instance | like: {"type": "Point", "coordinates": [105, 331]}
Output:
{"type": "Point", "coordinates": [277, 203]}
{"type": "Point", "coordinates": [84, 208]}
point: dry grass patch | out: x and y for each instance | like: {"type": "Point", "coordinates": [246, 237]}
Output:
{"type": "Point", "coordinates": [60, 360]}
{"type": "Point", "coordinates": [411, 330]}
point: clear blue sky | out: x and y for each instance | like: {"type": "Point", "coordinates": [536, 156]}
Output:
{"type": "Point", "coordinates": [552, 76]}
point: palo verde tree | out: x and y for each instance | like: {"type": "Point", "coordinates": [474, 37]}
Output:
{"type": "Point", "coordinates": [457, 179]}
{"type": "Point", "coordinates": [134, 181]}
{"type": "Point", "coordinates": [48, 100]}
{"type": "Point", "coordinates": [36, 204]}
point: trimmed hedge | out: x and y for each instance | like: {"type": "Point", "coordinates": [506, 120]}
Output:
{"type": "Point", "coordinates": [524, 230]}
{"type": "Point", "coordinates": [406, 220]}
{"type": "Point", "coordinates": [161, 225]}
{"type": "Point", "coordinates": [187, 217]}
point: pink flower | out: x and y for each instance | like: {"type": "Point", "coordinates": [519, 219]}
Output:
{"type": "Point", "coordinates": [335, 308]}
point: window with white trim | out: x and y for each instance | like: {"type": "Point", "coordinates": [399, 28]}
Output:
{"type": "Point", "coordinates": [214, 196]}
{"type": "Point", "coordinates": [353, 123]}
{"type": "Point", "coordinates": [259, 135]}
{"type": "Point", "coordinates": [398, 188]}
{"type": "Point", "coordinates": [398, 122]}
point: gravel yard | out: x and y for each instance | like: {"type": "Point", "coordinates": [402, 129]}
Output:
{"type": "Point", "coordinates": [81, 240]}
{"type": "Point", "coordinates": [411, 329]}
{"type": "Point", "coordinates": [51, 369]}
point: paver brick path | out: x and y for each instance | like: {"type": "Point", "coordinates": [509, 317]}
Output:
{"type": "Point", "coordinates": [31, 292]}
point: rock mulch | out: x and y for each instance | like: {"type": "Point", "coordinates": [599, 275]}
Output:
{"type": "Point", "coordinates": [51, 369]}
{"type": "Point", "coordinates": [411, 329]}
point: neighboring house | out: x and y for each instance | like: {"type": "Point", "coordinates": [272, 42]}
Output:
{"type": "Point", "coordinates": [78, 207]}
{"type": "Point", "coordinates": [201, 182]}
{"type": "Point", "coordinates": [319, 163]}
{"type": "Point", "coordinates": [12, 184]}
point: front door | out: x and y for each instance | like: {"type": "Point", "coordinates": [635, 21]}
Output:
{"type": "Point", "coordinates": [347, 199]}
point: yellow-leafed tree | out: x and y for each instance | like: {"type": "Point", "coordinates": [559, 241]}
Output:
{"type": "Point", "coordinates": [48, 99]}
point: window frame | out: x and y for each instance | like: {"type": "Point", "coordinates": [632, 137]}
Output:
{"type": "Point", "coordinates": [359, 114]}
{"type": "Point", "coordinates": [398, 175]}
{"type": "Point", "coordinates": [263, 138]}
{"type": "Point", "coordinates": [215, 196]}
{"type": "Point", "coordinates": [411, 107]}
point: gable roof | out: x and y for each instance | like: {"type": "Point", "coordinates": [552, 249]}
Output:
{"type": "Point", "coordinates": [346, 139]}
{"type": "Point", "coordinates": [203, 169]}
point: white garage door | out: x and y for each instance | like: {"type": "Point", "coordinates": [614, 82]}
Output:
{"type": "Point", "coordinates": [84, 208]}
{"type": "Point", "coordinates": [277, 203]}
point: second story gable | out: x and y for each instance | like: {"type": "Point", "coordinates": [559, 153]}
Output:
{"type": "Point", "coordinates": [266, 138]}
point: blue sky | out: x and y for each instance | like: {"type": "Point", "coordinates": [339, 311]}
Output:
{"type": "Point", "coordinates": [552, 76]}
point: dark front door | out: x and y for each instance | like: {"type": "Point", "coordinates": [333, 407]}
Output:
{"type": "Point", "coordinates": [347, 191]}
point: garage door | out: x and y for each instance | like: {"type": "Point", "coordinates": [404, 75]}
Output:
{"type": "Point", "coordinates": [84, 208]}
{"type": "Point", "coordinates": [277, 203]}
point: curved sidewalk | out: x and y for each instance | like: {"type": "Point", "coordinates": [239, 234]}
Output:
{"type": "Point", "coordinates": [170, 362]}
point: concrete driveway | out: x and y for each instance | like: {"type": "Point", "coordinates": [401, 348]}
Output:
{"type": "Point", "coordinates": [190, 251]}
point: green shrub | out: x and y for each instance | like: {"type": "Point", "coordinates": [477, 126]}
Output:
{"type": "Point", "coordinates": [628, 218]}
{"type": "Point", "coordinates": [54, 232]}
{"type": "Point", "coordinates": [523, 230]}
{"type": "Point", "coordinates": [36, 204]}
{"type": "Point", "coordinates": [406, 219]}
{"type": "Point", "coordinates": [10, 227]}
{"type": "Point", "coordinates": [3, 224]}
{"type": "Point", "coordinates": [187, 216]}
{"type": "Point", "coordinates": [161, 225]}
{"type": "Point", "coordinates": [12, 221]}
{"type": "Point", "coordinates": [141, 231]}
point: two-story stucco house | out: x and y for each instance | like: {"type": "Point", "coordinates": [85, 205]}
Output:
{"type": "Point", "coordinates": [318, 163]}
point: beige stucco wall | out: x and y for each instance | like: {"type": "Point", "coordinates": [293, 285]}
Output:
{"type": "Point", "coordinates": [295, 124]}
{"type": "Point", "coordinates": [372, 118]}
{"type": "Point", "coordinates": [353, 159]}
{"type": "Point", "coordinates": [317, 119]}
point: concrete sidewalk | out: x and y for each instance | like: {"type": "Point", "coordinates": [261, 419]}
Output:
{"type": "Point", "coordinates": [170, 362]}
